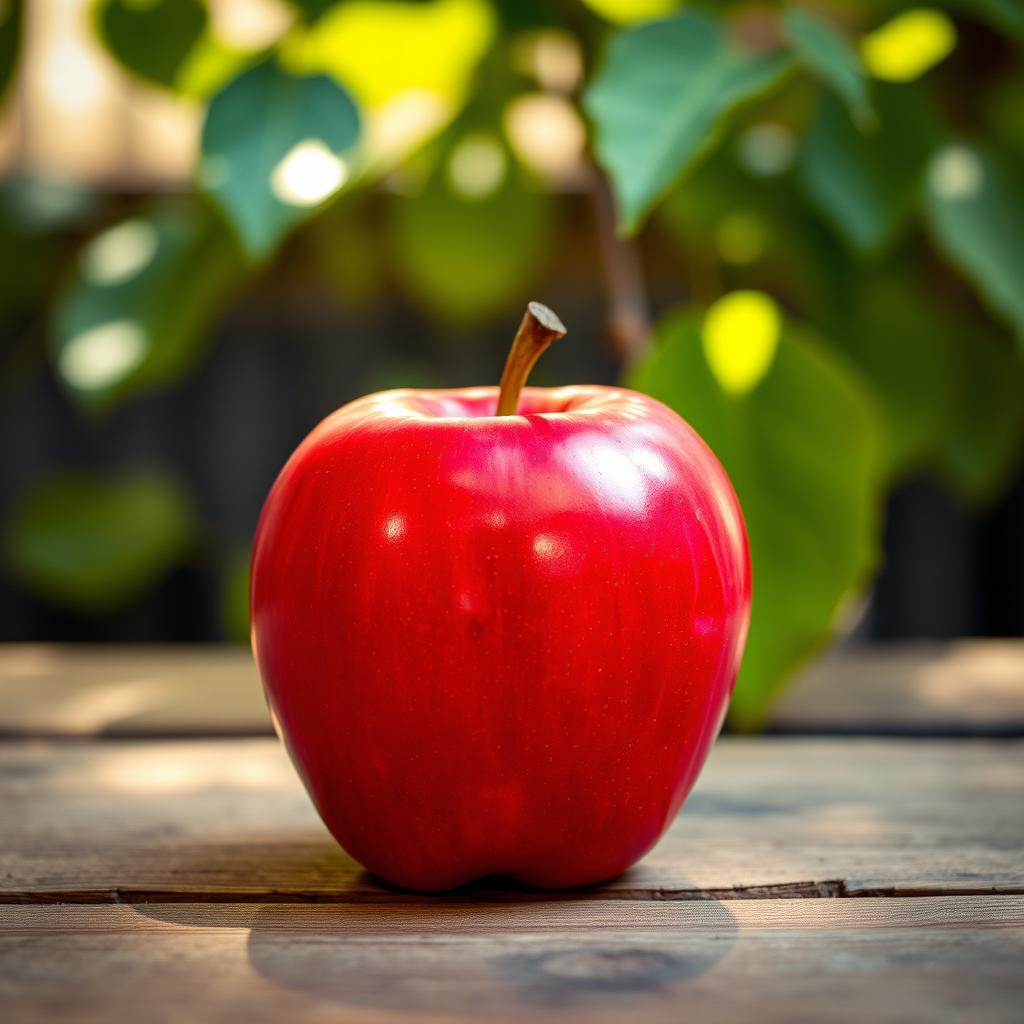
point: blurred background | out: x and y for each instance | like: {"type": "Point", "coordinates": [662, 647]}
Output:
{"type": "Point", "coordinates": [799, 224]}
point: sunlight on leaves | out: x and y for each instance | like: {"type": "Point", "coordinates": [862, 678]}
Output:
{"type": "Point", "coordinates": [136, 312]}
{"type": "Point", "coordinates": [740, 335]}
{"type": "Point", "coordinates": [378, 50]}
{"type": "Point", "coordinates": [546, 133]}
{"type": "Point", "coordinates": [274, 146]}
{"type": "Point", "coordinates": [409, 65]}
{"type": "Point", "coordinates": [552, 56]}
{"type": "Point", "coordinates": [626, 12]}
{"type": "Point", "coordinates": [766, 149]}
{"type": "Point", "coordinates": [99, 358]}
{"type": "Point", "coordinates": [120, 253]}
{"type": "Point", "coordinates": [908, 45]}
{"type": "Point", "coordinates": [307, 174]}
{"type": "Point", "coordinates": [477, 166]}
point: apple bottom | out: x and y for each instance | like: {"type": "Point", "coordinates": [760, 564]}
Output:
{"type": "Point", "coordinates": [429, 835]}
{"type": "Point", "coordinates": [559, 870]}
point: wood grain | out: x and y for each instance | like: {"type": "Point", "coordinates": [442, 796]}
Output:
{"type": "Point", "coordinates": [938, 959]}
{"type": "Point", "coordinates": [228, 819]}
{"type": "Point", "coordinates": [64, 690]}
{"type": "Point", "coordinates": [967, 687]}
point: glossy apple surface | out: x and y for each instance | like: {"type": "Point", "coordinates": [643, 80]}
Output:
{"type": "Point", "coordinates": [500, 645]}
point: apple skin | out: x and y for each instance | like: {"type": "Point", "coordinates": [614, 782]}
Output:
{"type": "Point", "coordinates": [500, 645]}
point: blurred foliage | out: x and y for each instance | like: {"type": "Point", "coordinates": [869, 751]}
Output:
{"type": "Point", "coordinates": [836, 187]}
{"type": "Point", "coordinates": [444, 237]}
{"type": "Point", "coordinates": [120, 323]}
{"type": "Point", "coordinates": [827, 53]}
{"type": "Point", "coordinates": [168, 43]}
{"type": "Point", "coordinates": [869, 183]}
{"type": "Point", "coordinates": [977, 215]}
{"type": "Point", "coordinates": [657, 102]}
{"type": "Point", "coordinates": [267, 180]}
{"type": "Point", "coordinates": [153, 40]}
{"type": "Point", "coordinates": [92, 544]}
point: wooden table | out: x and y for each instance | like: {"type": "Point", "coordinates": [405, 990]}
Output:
{"type": "Point", "coordinates": [160, 862]}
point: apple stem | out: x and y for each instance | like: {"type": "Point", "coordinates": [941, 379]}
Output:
{"type": "Point", "coordinates": [539, 327]}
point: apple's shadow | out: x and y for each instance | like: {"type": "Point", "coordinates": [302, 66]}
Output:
{"type": "Point", "coordinates": [483, 950]}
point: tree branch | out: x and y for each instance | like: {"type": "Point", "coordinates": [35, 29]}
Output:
{"type": "Point", "coordinates": [629, 323]}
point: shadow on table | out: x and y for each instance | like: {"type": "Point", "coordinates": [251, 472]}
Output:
{"type": "Point", "coordinates": [482, 950]}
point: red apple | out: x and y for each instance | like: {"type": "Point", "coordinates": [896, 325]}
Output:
{"type": "Point", "coordinates": [500, 644]}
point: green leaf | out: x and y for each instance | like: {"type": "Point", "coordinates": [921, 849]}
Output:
{"type": "Point", "coordinates": [153, 38]}
{"type": "Point", "coordinates": [136, 312]}
{"type": "Point", "coordinates": [976, 214]}
{"type": "Point", "coordinates": [660, 97]}
{"type": "Point", "coordinates": [12, 16]}
{"type": "Point", "coordinates": [800, 447]}
{"type": "Point", "coordinates": [829, 55]}
{"type": "Point", "coordinates": [92, 545]}
{"type": "Point", "coordinates": [985, 435]}
{"type": "Point", "coordinates": [907, 353]}
{"type": "Point", "coordinates": [272, 149]}
{"type": "Point", "coordinates": [866, 184]}
{"type": "Point", "coordinates": [470, 254]}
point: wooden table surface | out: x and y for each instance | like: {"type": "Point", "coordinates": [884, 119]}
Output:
{"type": "Point", "coordinates": [863, 861]}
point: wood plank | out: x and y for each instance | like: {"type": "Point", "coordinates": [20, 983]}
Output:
{"type": "Point", "coordinates": [56, 690]}
{"type": "Point", "coordinates": [945, 959]}
{"type": "Point", "coordinates": [968, 687]}
{"type": "Point", "coordinates": [228, 819]}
